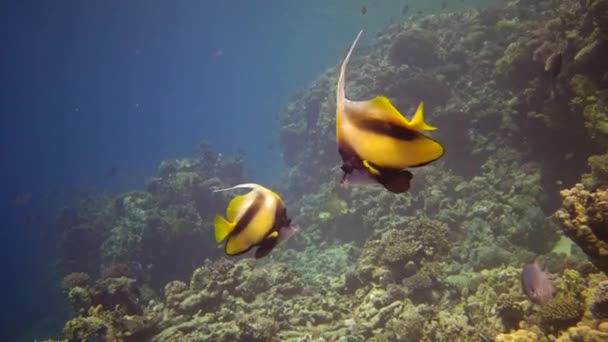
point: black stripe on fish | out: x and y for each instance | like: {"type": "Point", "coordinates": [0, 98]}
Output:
{"type": "Point", "coordinates": [387, 128]}
{"type": "Point", "coordinates": [248, 215]}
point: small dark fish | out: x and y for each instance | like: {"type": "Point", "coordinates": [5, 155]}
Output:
{"type": "Point", "coordinates": [23, 198]}
{"type": "Point", "coordinates": [363, 9]}
{"type": "Point", "coordinates": [535, 283]}
{"type": "Point", "coordinates": [444, 5]}
{"type": "Point", "coordinates": [405, 9]}
{"type": "Point", "coordinates": [111, 172]}
{"type": "Point", "coordinates": [553, 64]}
{"type": "Point", "coordinates": [419, 12]}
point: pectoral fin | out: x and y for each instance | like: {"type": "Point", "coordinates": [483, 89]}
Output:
{"type": "Point", "coordinates": [372, 170]}
{"type": "Point", "coordinates": [240, 186]}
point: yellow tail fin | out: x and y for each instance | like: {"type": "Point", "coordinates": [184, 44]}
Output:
{"type": "Point", "coordinates": [222, 228]}
{"type": "Point", "coordinates": [418, 123]}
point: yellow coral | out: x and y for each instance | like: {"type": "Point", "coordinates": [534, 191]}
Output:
{"type": "Point", "coordinates": [518, 336]}
{"type": "Point", "coordinates": [582, 213]}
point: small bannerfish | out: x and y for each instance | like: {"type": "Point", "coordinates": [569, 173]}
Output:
{"type": "Point", "coordinates": [535, 283]}
{"type": "Point", "coordinates": [258, 218]}
{"type": "Point", "coordinates": [23, 198]}
{"type": "Point", "coordinates": [376, 139]}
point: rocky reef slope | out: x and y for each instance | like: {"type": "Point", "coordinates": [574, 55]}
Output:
{"type": "Point", "coordinates": [520, 96]}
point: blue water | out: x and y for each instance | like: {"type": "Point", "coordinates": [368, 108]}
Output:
{"type": "Point", "coordinates": [94, 94]}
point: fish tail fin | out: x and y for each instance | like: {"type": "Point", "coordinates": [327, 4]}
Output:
{"type": "Point", "coordinates": [418, 120]}
{"type": "Point", "coordinates": [222, 228]}
{"type": "Point", "coordinates": [340, 88]}
{"type": "Point", "coordinates": [241, 186]}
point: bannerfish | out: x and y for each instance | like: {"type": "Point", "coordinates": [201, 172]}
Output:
{"type": "Point", "coordinates": [535, 283]}
{"type": "Point", "coordinates": [376, 139]}
{"type": "Point", "coordinates": [258, 218]}
{"type": "Point", "coordinates": [23, 198]}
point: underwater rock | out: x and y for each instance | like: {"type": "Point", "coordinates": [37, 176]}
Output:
{"type": "Point", "coordinates": [599, 307]}
{"type": "Point", "coordinates": [86, 329]}
{"type": "Point", "coordinates": [599, 171]}
{"type": "Point", "coordinates": [510, 311]}
{"type": "Point", "coordinates": [76, 279]}
{"type": "Point", "coordinates": [155, 235]}
{"type": "Point", "coordinates": [175, 292]}
{"type": "Point", "coordinates": [409, 328]}
{"type": "Point", "coordinates": [487, 257]}
{"type": "Point", "coordinates": [258, 330]}
{"type": "Point", "coordinates": [81, 299]}
{"type": "Point", "coordinates": [584, 219]}
{"type": "Point", "coordinates": [122, 292]}
{"type": "Point", "coordinates": [415, 47]}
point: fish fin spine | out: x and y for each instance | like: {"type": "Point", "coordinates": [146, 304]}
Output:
{"type": "Point", "coordinates": [417, 121]}
{"type": "Point", "coordinates": [340, 93]}
{"type": "Point", "coordinates": [222, 228]}
{"type": "Point", "coordinates": [241, 186]}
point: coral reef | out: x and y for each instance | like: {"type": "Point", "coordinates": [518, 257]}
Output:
{"type": "Point", "coordinates": [440, 263]}
{"type": "Point", "coordinates": [584, 218]}
{"type": "Point", "coordinates": [154, 235]}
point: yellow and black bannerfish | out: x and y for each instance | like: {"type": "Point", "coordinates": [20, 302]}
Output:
{"type": "Point", "coordinates": [255, 219]}
{"type": "Point", "coordinates": [376, 139]}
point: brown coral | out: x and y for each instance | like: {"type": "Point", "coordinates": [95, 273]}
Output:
{"type": "Point", "coordinates": [561, 313]}
{"type": "Point", "coordinates": [599, 307]}
{"type": "Point", "coordinates": [415, 47]}
{"type": "Point", "coordinates": [76, 279]}
{"type": "Point", "coordinates": [584, 218]}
